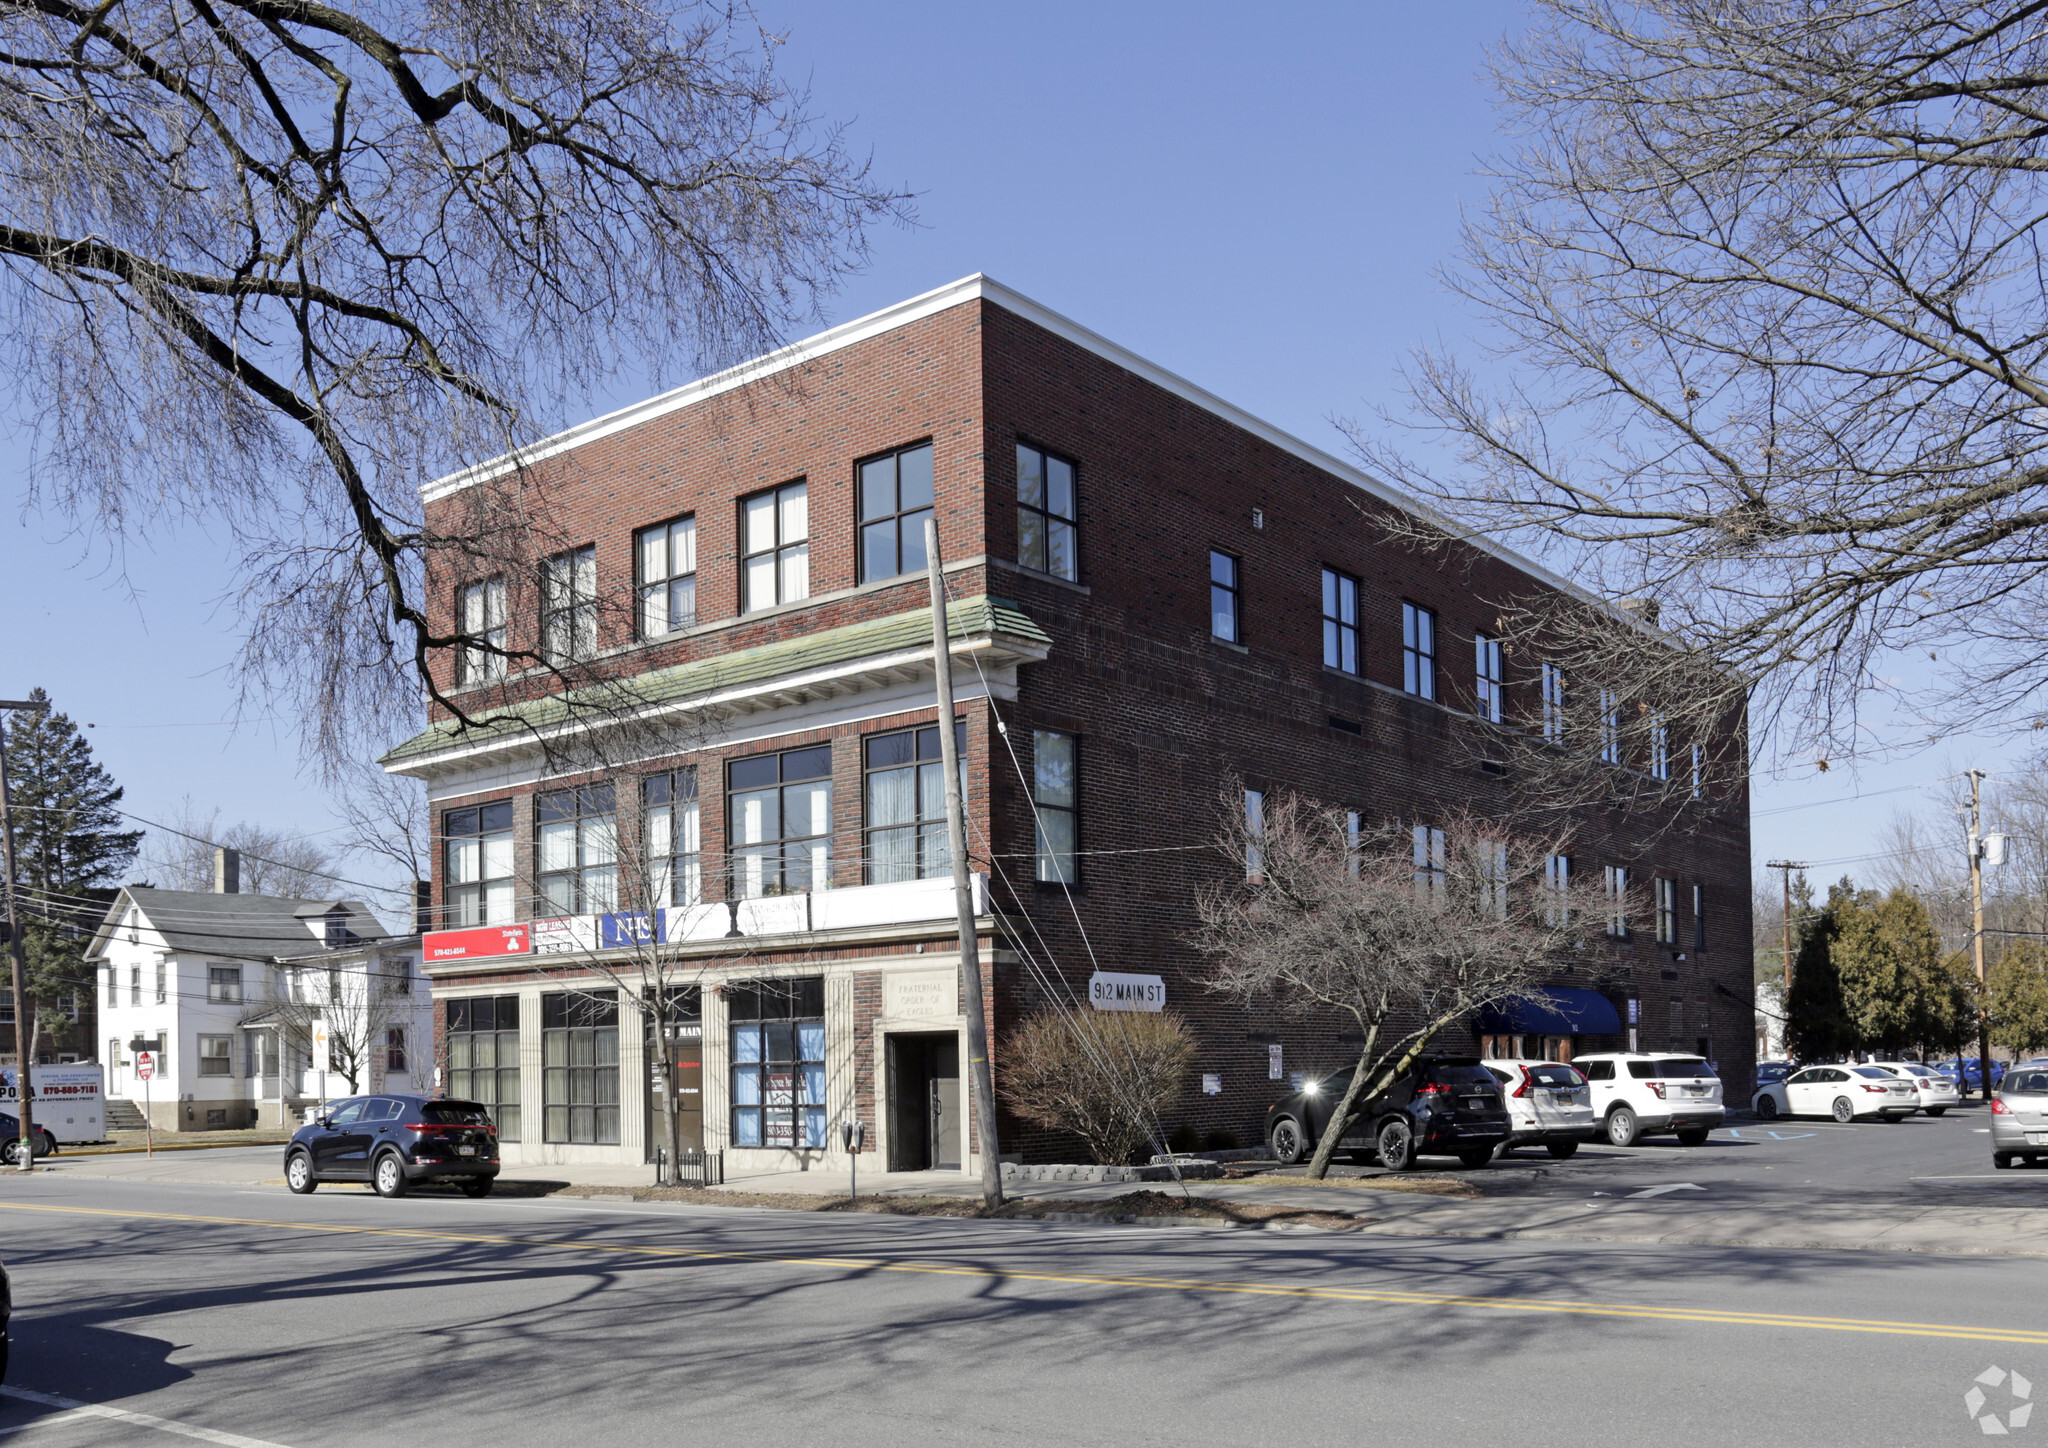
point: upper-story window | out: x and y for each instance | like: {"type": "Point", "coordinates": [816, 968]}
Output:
{"type": "Point", "coordinates": [568, 605]}
{"type": "Point", "coordinates": [1056, 798]}
{"type": "Point", "coordinates": [1660, 748]}
{"type": "Point", "coordinates": [1488, 683]}
{"type": "Point", "coordinates": [1340, 621]}
{"type": "Point", "coordinates": [670, 820]}
{"type": "Point", "coordinates": [1666, 891]}
{"type": "Point", "coordinates": [666, 558]}
{"type": "Point", "coordinates": [224, 984]}
{"type": "Point", "coordinates": [1418, 650]}
{"type": "Point", "coordinates": [1614, 881]}
{"type": "Point", "coordinates": [1048, 534]}
{"type": "Point", "coordinates": [775, 532]}
{"type": "Point", "coordinates": [579, 850]}
{"type": "Point", "coordinates": [480, 615]}
{"type": "Point", "coordinates": [1610, 727]}
{"type": "Point", "coordinates": [1699, 771]}
{"type": "Point", "coordinates": [906, 804]}
{"type": "Point", "coordinates": [1553, 704]}
{"type": "Point", "coordinates": [1699, 917]}
{"type": "Point", "coordinates": [1432, 865]}
{"type": "Point", "coordinates": [895, 499]}
{"type": "Point", "coordinates": [1226, 615]}
{"type": "Point", "coordinates": [780, 829]}
{"type": "Point", "coordinates": [1557, 890]}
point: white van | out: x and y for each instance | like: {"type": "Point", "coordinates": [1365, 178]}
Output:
{"type": "Point", "coordinates": [71, 1101]}
{"type": "Point", "coordinates": [1638, 1094]}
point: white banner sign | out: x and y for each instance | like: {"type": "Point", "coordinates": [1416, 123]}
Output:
{"type": "Point", "coordinates": [1108, 991]}
{"type": "Point", "coordinates": [320, 1046]}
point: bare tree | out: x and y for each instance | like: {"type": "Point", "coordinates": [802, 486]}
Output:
{"type": "Point", "coordinates": [279, 862]}
{"type": "Point", "coordinates": [385, 818]}
{"type": "Point", "coordinates": [358, 1004]}
{"type": "Point", "coordinates": [316, 256]}
{"type": "Point", "coordinates": [1770, 333]}
{"type": "Point", "coordinates": [1403, 934]}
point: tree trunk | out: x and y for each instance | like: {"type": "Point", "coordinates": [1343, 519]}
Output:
{"type": "Point", "coordinates": [671, 1126]}
{"type": "Point", "coordinates": [1326, 1147]}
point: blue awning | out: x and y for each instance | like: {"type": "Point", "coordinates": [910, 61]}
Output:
{"type": "Point", "coordinates": [1555, 1010]}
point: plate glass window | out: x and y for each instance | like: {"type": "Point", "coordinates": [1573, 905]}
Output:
{"type": "Point", "coordinates": [579, 850]}
{"type": "Point", "coordinates": [775, 532]}
{"type": "Point", "coordinates": [780, 822]}
{"type": "Point", "coordinates": [579, 1042]}
{"type": "Point", "coordinates": [1418, 650]}
{"type": "Point", "coordinates": [477, 888]}
{"type": "Point", "coordinates": [1340, 621]}
{"type": "Point", "coordinates": [905, 790]}
{"type": "Point", "coordinates": [1487, 685]}
{"type": "Point", "coordinates": [1056, 795]}
{"type": "Point", "coordinates": [669, 813]}
{"type": "Point", "coordinates": [778, 1062]}
{"type": "Point", "coordinates": [1226, 619]}
{"type": "Point", "coordinates": [568, 605]}
{"type": "Point", "coordinates": [666, 559]}
{"type": "Point", "coordinates": [895, 500]}
{"type": "Point", "coordinates": [483, 1057]}
{"type": "Point", "coordinates": [480, 614]}
{"type": "Point", "coordinates": [1048, 517]}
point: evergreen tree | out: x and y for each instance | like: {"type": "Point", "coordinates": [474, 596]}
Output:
{"type": "Point", "coordinates": [1888, 960]}
{"type": "Point", "coordinates": [1817, 1023]}
{"type": "Point", "coordinates": [2019, 999]}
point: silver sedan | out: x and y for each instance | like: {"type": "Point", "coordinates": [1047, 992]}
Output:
{"type": "Point", "coordinates": [2019, 1117]}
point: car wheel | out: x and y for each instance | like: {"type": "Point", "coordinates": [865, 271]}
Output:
{"type": "Point", "coordinates": [2001, 1159]}
{"type": "Point", "coordinates": [1845, 1110]}
{"type": "Point", "coordinates": [1473, 1160]}
{"type": "Point", "coordinates": [1397, 1144]}
{"type": "Point", "coordinates": [1766, 1107]}
{"type": "Point", "coordinates": [1287, 1143]}
{"type": "Point", "coordinates": [49, 1144]}
{"type": "Point", "coordinates": [1621, 1127]}
{"type": "Point", "coordinates": [10, 1151]}
{"type": "Point", "coordinates": [1936, 1110]}
{"type": "Point", "coordinates": [1692, 1136]}
{"type": "Point", "coordinates": [298, 1173]}
{"type": "Point", "coordinates": [388, 1176]}
{"type": "Point", "coordinates": [1561, 1150]}
{"type": "Point", "coordinates": [480, 1188]}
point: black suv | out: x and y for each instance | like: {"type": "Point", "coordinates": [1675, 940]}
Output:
{"type": "Point", "coordinates": [1443, 1106]}
{"type": "Point", "coordinates": [392, 1142]}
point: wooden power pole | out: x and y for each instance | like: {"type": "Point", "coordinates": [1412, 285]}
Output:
{"type": "Point", "coordinates": [24, 1088]}
{"type": "Point", "coordinates": [1977, 931]}
{"type": "Point", "coordinates": [1785, 869]}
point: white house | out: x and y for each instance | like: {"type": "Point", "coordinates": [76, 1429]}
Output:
{"type": "Point", "coordinates": [229, 985]}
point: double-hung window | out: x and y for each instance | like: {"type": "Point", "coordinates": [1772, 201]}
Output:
{"type": "Point", "coordinates": [1699, 771]}
{"type": "Point", "coordinates": [778, 1062]}
{"type": "Point", "coordinates": [394, 1048]}
{"type": "Point", "coordinates": [1553, 704]}
{"type": "Point", "coordinates": [1340, 621]}
{"type": "Point", "coordinates": [665, 556]}
{"type": "Point", "coordinates": [579, 850]}
{"type": "Point", "coordinates": [905, 791]}
{"type": "Point", "coordinates": [568, 605]}
{"type": "Point", "coordinates": [1667, 910]}
{"type": "Point", "coordinates": [1048, 515]}
{"type": "Point", "coordinates": [1418, 650]}
{"type": "Point", "coordinates": [483, 1057]}
{"type": "Point", "coordinates": [1699, 917]}
{"type": "Point", "coordinates": [1660, 748]}
{"type": "Point", "coordinates": [1610, 727]}
{"type": "Point", "coordinates": [895, 500]}
{"type": "Point", "coordinates": [1432, 872]}
{"type": "Point", "coordinates": [579, 1044]}
{"type": "Point", "coordinates": [224, 984]}
{"type": "Point", "coordinates": [477, 878]}
{"type": "Point", "coordinates": [1254, 834]}
{"type": "Point", "coordinates": [134, 986]}
{"type": "Point", "coordinates": [162, 982]}
{"type": "Point", "coordinates": [1615, 882]}
{"type": "Point", "coordinates": [1226, 614]}
{"type": "Point", "coordinates": [1493, 878]}
{"type": "Point", "coordinates": [780, 822]}
{"type": "Point", "coordinates": [1488, 683]}
{"type": "Point", "coordinates": [775, 533]}
{"type": "Point", "coordinates": [216, 1055]}
{"type": "Point", "coordinates": [670, 819]}
{"type": "Point", "coordinates": [480, 615]}
{"type": "Point", "coordinates": [1557, 888]}
{"type": "Point", "coordinates": [1056, 800]}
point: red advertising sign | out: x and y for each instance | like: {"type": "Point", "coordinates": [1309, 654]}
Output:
{"type": "Point", "coordinates": [145, 1065]}
{"type": "Point", "coordinates": [478, 944]}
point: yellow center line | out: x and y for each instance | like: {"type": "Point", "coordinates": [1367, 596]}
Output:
{"type": "Point", "coordinates": [1567, 1307]}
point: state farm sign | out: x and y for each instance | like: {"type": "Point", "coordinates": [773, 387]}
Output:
{"type": "Point", "coordinates": [478, 944]}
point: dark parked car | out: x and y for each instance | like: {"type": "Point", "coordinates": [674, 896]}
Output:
{"type": "Point", "coordinates": [1444, 1106]}
{"type": "Point", "coordinates": [10, 1140]}
{"type": "Point", "coordinates": [392, 1142]}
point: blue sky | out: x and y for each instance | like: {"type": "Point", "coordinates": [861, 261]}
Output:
{"type": "Point", "coordinates": [1253, 197]}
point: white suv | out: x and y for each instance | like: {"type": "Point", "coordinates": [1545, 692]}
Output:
{"type": "Point", "coordinates": [1549, 1105]}
{"type": "Point", "coordinates": [1636, 1094]}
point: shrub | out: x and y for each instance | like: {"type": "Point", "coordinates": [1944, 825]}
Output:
{"type": "Point", "coordinates": [1104, 1076]}
{"type": "Point", "coordinates": [1222, 1139]}
{"type": "Point", "coordinates": [1184, 1138]}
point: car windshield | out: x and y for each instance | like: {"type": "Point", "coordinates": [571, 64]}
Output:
{"type": "Point", "coordinates": [455, 1113]}
{"type": "Point", "coordinates": [1555, 1076]}
{"type": "Point", "coordinates": [1683, 1067]}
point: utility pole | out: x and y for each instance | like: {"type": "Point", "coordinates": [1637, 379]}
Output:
{"type": "Point", "coordinates": [1785, 869]}
{"type": "Point", "coordinates": [25, 1089]}
{"type": "Point", "coordinates": [1977, 931]}
{"type": "Point", "coordinates": [982, 1082]}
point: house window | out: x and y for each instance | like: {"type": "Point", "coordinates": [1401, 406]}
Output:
{"type": "Point", "coordinates": [334, 929]}
{"type": "Point", "coordinates": [134, 985]}
{"type": "Point", "coordinates": [1431, 864]}
{"type": "Point", "coordinates": [1699, 918]}
{"type": "Point", "coordinates": [666, 559]}
{"type": "Point", "coordinates": [579, 850]}
{"type": "Point", "coordinates": [905, 791]}
{"type": "Point", "coordinates": [1615, 883]}
{"type": "Point", "coordinates": [224, 984]}
{"type": "Point", "coordinates": [1226, 618]}
{"type": "Point", "coordinates": [394, 1049]}
{"type": "Point", "coordinates": [895, 499]}
{"type": "Point", "coordinates": [775, 530]}
{"type": "Point", "coordinates": [1667, 910]}
{"type": "Point", "coordinates": [1254, 832]}
{"type": "Point", "coordinates": [1487, 683]}
{"type": "Point", "coordinates": [1340, 621]}
{"type": "Point", "coordinates": [67, 1006]}
{"type": "Point", "coordinates": [1553, 704]}
{"type": "Point", "coordinates": [1056, 795]}
{"type": "Point", "coordinates": [477, 883]}
{"type": "Point", "coordinates": [259, 1053]}
{"type": "Point", "coordinates": [568, 606]}
{"type": "Point", "coordinates": [780, 822]}
{"type": "Point", "coordinates": [579, 1043]}
{"type": "Point", "coordinates": [1610, 727]}
{"type": "Point", "coordinates": [216, 1055]}
{"type": "Point", "coordinates": [1418, 650]}
{"type": "Point", "coordinates": [480, 615]}
{"type": "Point", "coordinates": [483, 1057]}
{"type": "Point", "coordinates": [778, 1062]}
{"type": "Point", "coordinates": [1557, 886]}
{"type": "Point", "coordinates": [396, 976]}
{"type": "Point", "coordinates": [669, 812]}
{"type": "Point", "coordinates": [162, 982]}
{"type": "Point", "coordinates": [1047, 517]}
{"type": "Point", "coordinates": [1660, 749]}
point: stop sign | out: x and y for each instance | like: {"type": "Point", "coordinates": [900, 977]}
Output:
{"type": "Point", "coordinates": [145, 1065]}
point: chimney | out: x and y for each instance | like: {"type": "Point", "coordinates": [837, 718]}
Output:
{"type": "Point", "coordinates": [1644, 609]}
{"type": "Point", "coordinates": [227, 871]}
{"type": "Point", "coordinates": [422, 907]}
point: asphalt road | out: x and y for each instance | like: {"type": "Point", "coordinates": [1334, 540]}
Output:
{"type": "Point", "coordinates": [246, 1316]}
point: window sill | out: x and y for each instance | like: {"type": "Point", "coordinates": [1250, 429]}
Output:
{"type": "Point", "coordinates": [1227, 644]}
{"type": "Point", "coordinates": [1036, 575]}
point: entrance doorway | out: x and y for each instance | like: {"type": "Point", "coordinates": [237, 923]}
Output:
{"type": "Point", "coordinates": [686, 1059]}
{"type": "Point", "coordinates": [924, 1101]}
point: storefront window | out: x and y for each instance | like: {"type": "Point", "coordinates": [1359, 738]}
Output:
{"type": "Point", "coordinates": [579, 1038]}
{"type": "Point", "coordinates": [483, 1058]}
{"type": "Point", "coordinates": [778, 1062]}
